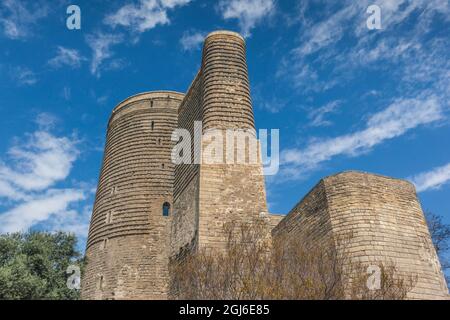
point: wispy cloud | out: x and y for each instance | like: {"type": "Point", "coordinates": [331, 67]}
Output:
{"type": "Point", "coordinates": [271, 104]}
{"type": "Point", "coordinates": [192, 40]}
{"type": "Point", "coordinates": [39, 162]}
{"type": "Point", "coordinates": [335, 48]}
{"type": "Point", "coordinates": [46, 121]}
{"type": "Point", "coordinates": [135, 18]}
{"type": "Point", "coordinates": [400, 117]}
{"type": "Point", "coordinates": [325, 37]}
{"type": "Point", "coordinates": [317, 115]}
{"type": "Point", "coordinates": [23, 76]}
{"type": "Point", "coordinates": [18, 18]}
{"type": "Point", "coordinates": [66, 57]}
{"type": "Point", "coordinates": [432, 179]}
{"type": "Point", "coordinates": [248, 12]}
{"type": "Point", "coordinates": [69, 220]}
{"type": "Point", "coordinates": [350, 19]}
{"type": "Point", "coordinates": [66, 93]}
{"type": "Point", "coordinates": [144, 15]}
{"type": "Point", "coordinates": [324, 33]}
{"type": "Point", "coordinates": [28, 175]}
{"type": "Point", "coordinates": [39, 208]}
{"type": "Point", "coordinates": [101, 44]}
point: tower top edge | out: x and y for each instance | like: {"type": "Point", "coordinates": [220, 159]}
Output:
{"type": "Point", "coordinates": [367, 174]}
{"type": "Point", "coordinates": [149, 95]}
{"type": "Point", "coordinates": [226, 33]}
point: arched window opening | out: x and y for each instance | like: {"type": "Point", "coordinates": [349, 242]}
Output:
{"type": "Point", "coordinates": [166, 209]}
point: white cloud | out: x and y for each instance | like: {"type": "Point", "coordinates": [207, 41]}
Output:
{"type": "Point", "coordinates": [70, 221]}
{"type": "Point", "coordinates": [38, 209]}
{"type": "Point", "coordinates": [248, 12]}
{"type": "Point", "coordinates": [317, 115]}
{"type": "Point", "coordinates": [324, 33]}
{"type": "Point", "coordinates": [18, 18]}
{"type": "Point", "coordinates": [101, 44]}
{"type": "Point", "coordinates": [351, 19]}
{"type": "Point", "coordinates": [102, 99]}
{"type": "Point", "coordinates": [325, 37]}
{"type": "Point", "coordinates": [39, 162]}
{"type": "Point", "coordinates": [144, 15]}
{"type": "Point", "coordinates": [27, 176]}
{"type": "Point", "coordinates": [432, 179]}
{"type": "Point", "coordinates": [401, 116]}
{"type": "Point", "coordinates": [10, 192]}
{"type": "Point", "coordinates": [68, 57]}
{"type": "Point", "coordinates": [192, 40]}
{"type": "Point", "coordinates": [46, 121]}
{"type": "Point", "coordinates": [273, 105]}
{"type": "Point", "coordinates": [170, 4]}
{"type": "Point", "coordinates": [66, 93]}
{"type": "Point", "coordinates": [23, 76]}
{"type": "Point", "coordinates": [136, 17]}
{"type": "Point", "coordinates": [303, 77]}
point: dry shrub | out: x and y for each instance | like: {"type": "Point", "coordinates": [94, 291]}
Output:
{"type": "Point", "coordinates": [252, 266]}
{"type": "Point", "coordinates": [393, 285]}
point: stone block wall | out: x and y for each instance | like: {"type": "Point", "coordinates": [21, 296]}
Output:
{"type": "Point", "coordinates": [228, 192]}
{"type": "Point", "coordinates": [384, 219]}
{"type": "Point", "coordinates": [184, 228]}
{"type": "Point", "coordinates": [209, 195]}
{"type": "Point", "coordinates": [127, 247]}
{"type": "Point", "coordinates": [309, 219]}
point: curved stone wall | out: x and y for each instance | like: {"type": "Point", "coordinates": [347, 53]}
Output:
{"type": "Point", "coordinates": [385, 223]}
{"type": "Point", "coordinates": [128, 234]}
{"type": "Point", "coordinates": [226, 89]}
{"type": "Point", "coordinates": [207, 195]}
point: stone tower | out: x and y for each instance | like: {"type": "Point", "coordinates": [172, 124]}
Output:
{"type": "Point", "coordinates": [207, 195]}
{"type": "Point", "coordinates": [384, 220]}
{"type": "Point", "coordinates": [149, 211]}
{"type": "Point", "coordinates": [128, 235]}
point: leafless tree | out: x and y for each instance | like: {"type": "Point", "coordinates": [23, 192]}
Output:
{"type": "Point", "coordinates": [440, 234]}
{"type": "Point", "coordinates": [254, 266]}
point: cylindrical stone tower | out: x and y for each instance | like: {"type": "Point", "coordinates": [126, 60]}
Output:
{"type": "Point", "coordinates": [226, 89]}
{"type": "Point", "coordinates": [229, 191]}
{"type": "Point", "coordinates": [220, 189]}
{"type": "Point", "coordinates": [128, 235]}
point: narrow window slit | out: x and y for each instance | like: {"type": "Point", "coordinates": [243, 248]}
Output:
{"type": "Point", "coordinates": [166, 209]}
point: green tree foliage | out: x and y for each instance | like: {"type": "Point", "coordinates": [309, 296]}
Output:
{"type": "Point", "coordinates": [33, 265]}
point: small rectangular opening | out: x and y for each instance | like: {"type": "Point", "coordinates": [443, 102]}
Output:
{"type": "Point", "coordinates": [100, 282]}
{"type": "Point", "coordinates": [103, 244]}
{"type": "Point", "coordinates": [109, 217]}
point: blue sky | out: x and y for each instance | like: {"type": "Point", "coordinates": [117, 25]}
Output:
{"type": "Point", "coordinates": [344, 97]}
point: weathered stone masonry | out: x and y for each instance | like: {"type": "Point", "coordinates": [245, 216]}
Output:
{"type": "Point", "coordinates": [128, 236]}
{"type": "Point", "coordinates": [130, 240]}
{"type": "Point", "coordinates": [208, 195]}
{"type": "Point", "coordinates": [384, 220]}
